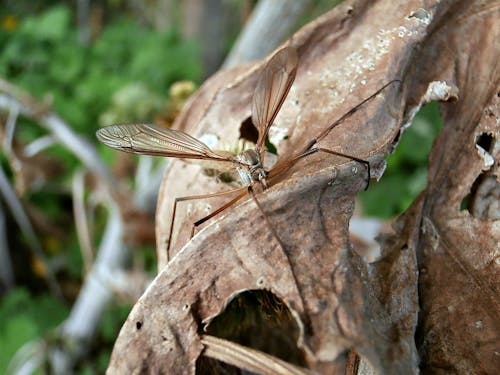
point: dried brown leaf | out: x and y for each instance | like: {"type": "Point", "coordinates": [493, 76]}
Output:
{"type": "Point", "coordinates": [339, 301]}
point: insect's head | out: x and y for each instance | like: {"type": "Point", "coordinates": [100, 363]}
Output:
{"type": "Point", "coordinates": [251, 158]}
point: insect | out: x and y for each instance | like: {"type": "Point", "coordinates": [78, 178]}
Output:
{"type": "Point", "coordinates": [270, 92]}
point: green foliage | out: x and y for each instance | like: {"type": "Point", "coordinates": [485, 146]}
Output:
{"type": "Point", "coordinates": [122, 76]}
{"type": "Point", "coordinates": [24, 317]}
{"type": "Point", "coordinates": [125, 74]}
{"type": "Point", "coordinates": [110, 325]}
{"type": "Point", "coordinates": [111, 322]}
{"type": "Point", "coordinates": [43, 56]}
{"type": "Point", "coordinates": [133, 103]}
{"type": "Point", "coordinates": [406, 174]}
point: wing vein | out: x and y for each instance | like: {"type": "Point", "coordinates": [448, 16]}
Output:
{"type": "Point", "coordinates": [152, 140]}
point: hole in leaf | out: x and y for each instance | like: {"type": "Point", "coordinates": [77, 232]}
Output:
{"type": "Point", "coordinates": [259, 320]}
{"type": "Point", "coordinates": [138, 325]}
{"type": "Point", "coordinates": [395, 141]}
{"type": "Point", "coordinates": [405, 177]}
{"type": "Point", "coordinates": [406, 173]}
{"type": "Point", "coordinates": [464, 205]}
{"type": "Point", "coordinates": [248, 131]}
{"type": "Point", "coordinates": [483, 200]}
{"type": "Point", "coordinates": [270, 147]}
{"type": "Point", "coordinates": [485, 141]}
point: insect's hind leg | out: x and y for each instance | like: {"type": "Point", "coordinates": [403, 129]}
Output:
{"type": "Point", "coordinates": [311, 149]}
{"type": "Point", "coordinates": [280, 242]}
{"type": "Point", "coordinates": [201, 221]}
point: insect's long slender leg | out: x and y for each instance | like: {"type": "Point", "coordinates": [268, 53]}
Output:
{"type": "Point", "coordinates": [280, 242]}
{"type": "Point", "coordinates": [282, 167]}
{"type": "Point", "coordinates": [219, 210]}
{"type": "Point", "coordinates": [195, 197]}
{"type": "Point", "coordinates": [285, 165]}
{"type": "Point", "coordinates": [349, 113]}
{"type": "Point", "coordinates": [309, 150]}
{"type": "Point", "coordinates": [273, 230]}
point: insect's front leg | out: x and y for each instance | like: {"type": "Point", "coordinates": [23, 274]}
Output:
{"type": "Point", "coordinates": [242, 190]}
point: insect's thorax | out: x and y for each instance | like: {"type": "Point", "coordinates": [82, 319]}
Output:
{"type": "Point", "coordinates": [250, 168]}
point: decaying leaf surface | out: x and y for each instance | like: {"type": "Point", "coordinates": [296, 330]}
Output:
{"type": "Point", "coordinates": [342, 60]}
{"type": "Point", "coordinates": [457, 250]}
{"type": "Point", "coordinates": [338, 300]}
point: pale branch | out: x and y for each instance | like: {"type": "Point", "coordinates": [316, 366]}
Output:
{"type": "Point", "coordinates": [147, 182]}
{"type": "Point", "coordinates": [84, 21]}
{"type": "Point", "coordinates": [10, 127]}
{"type": "Point", "coordinates": [270, 23]}
{"type": "Point", "coordinates": [28, 358]}
{"type": "Point", "coordinates": [81, 221]}
{"type": "Point", "coordinates": [38, 145]}
{"type": "Point", "coordinates": [95, 293]}
{"type": "Point", "coordinates": [13, 98]}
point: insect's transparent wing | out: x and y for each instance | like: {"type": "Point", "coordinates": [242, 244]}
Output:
{"type": "Point", "coordinates": [217, 165]}
{"type": "Point", "coordinates": [271, 90]}
{"type": "Point", "coordinates": [152, 140]}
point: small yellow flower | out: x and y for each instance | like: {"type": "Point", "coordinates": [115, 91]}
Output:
{"type": "Point", "coordinates": [10, 23]}
{"type": "Point", "coordinates": [39, 268]}
{"type": "Point", "coordinates": [181, 90]}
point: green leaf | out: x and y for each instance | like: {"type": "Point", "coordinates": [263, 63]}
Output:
{"type": "Point", "coordinates": [50, 26]}
{"type": "Point", "coordinates": [382, 199]}
{"type": "Point", "coordinates": [406, 173]}
{"type": "Point", "coordinates": [24, 317]}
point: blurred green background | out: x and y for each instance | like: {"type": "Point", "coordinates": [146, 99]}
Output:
{"type": "Point", "coordinates": [120, 72]}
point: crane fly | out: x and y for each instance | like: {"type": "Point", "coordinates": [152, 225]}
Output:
{"type": "Point", "coordinates": [270, 92]}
